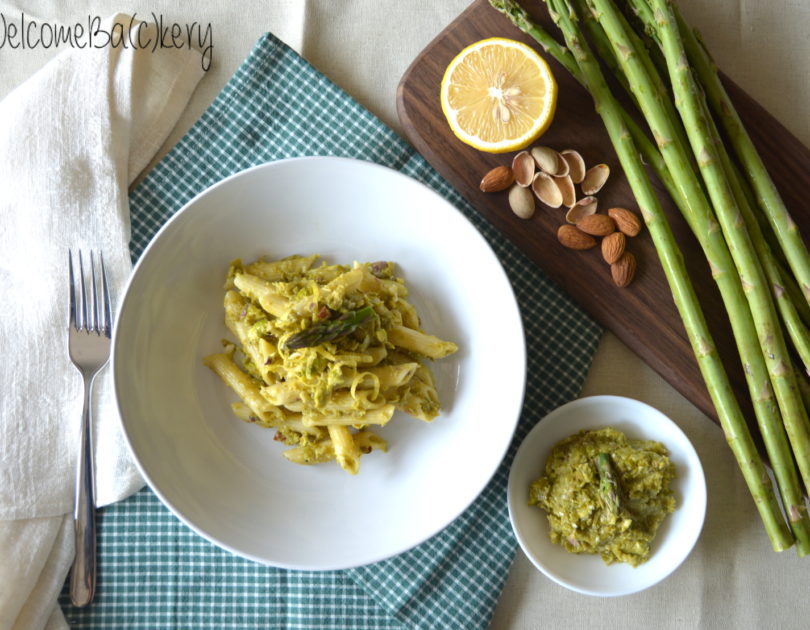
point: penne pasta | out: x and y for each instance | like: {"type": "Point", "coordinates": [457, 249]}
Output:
{"type": "Point", "coordinates": [308, 454]}
{"type": "Point", "coordinates": [420, 343]}
{"type": "Point", "coordinates": [367, 441]}
{"type": "Point", "coordinates": [326, 351]}
{"type": "Point", "coordinates": [408, 313]}
{"type": "Point", "coordinates": [244, 386]}
{"type": "Point", "coordinates": [280, 270]}
{"type": "Point", "coordinates": [324, 451]}
{"type": "Point", "coordinates": [257, 349]}
{"type": "Point", "coordinates": [262, 291]}
{"type": "Point", "coordinates": [379, 416]}
{"type": "Point", "coordinates": [381, 377]}
{"type": "Point", "coordinates": [347, 453]}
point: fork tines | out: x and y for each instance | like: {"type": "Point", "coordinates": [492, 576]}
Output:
{"type": "Point", "coordinates": [93, 314]}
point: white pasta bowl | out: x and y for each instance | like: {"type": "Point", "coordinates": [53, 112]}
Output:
{"type": "Point", "coordinates": [585, 573]}
{"type": "Point", "coordinates": [227, 479]}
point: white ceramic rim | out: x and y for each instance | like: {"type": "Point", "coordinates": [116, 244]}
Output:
{"type": "Point", "coordinates": [513, 412]}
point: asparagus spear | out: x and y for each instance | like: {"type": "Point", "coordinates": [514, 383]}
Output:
{"type": "Point", "coordinates": [520, 18]}
{"type": "Point", "coordinates": [770, 200]}
{"type": "Point", "coordinates": [699, 214]}
{"type": "Point", "coordinates": [330, 330]}
{"type": "Point", "coordinates": [711, 367]}
{"type": "Point", "coordinates": [773, 433]}
{"type": "Point", "coordinates": [774, 436]}
{"type": "Point", "coordinates": [796, 330]}
{"type": "Point", "coordinates": [706, 145]}
{"type": "Point", "coordinates": [657, 84]}
{"type": "Point", "coordinates": [768, 417]}
{"type": "Point", "coordinates": [608, 483]}
{"type": "Point", "coordinates": [707, 71]}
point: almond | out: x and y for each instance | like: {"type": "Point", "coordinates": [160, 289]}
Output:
{"type": "Point", "coordinates": [573, 238]}
{"type": "Point", "coordinates": [623, 269]}
{"type": "Point", "coordinates": [626, 221]}
{"type": "Point", "coordinates": [499, 178]}
{"type": "Point", "coordinates": [613, 247]}
{"type": "Point", "coordinates": [597, 224]}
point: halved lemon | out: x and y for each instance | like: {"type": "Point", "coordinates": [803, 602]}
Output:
{"type": "Point", "coordinates": [498, 95]}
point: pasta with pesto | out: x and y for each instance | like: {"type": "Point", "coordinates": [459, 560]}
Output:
{"type": "Point", "coordinates": [323, 353]}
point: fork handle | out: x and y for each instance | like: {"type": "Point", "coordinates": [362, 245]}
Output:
{"type": "Point", "coordinates": [83, 572]}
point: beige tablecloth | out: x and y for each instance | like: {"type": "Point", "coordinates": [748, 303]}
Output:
{"type": "Point", "coordinates": [732, 579]}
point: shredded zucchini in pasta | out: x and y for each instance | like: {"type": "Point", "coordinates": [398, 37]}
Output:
{"type": "Point", "coordinates": [325, 352]}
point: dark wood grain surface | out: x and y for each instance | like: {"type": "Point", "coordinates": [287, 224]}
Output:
{"type": "Point", "coordinates": [642, 315]}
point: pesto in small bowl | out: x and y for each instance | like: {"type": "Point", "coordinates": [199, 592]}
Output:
{"type": "Point", "coordinates": [654, 472]}
{"type": "Point", "coordinates": [606, 494]}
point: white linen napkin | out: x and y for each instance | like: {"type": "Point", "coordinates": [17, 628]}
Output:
{"type": "Point", "coordinates": [72, 139]}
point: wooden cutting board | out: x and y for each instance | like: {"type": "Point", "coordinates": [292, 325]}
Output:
{"type": "Point", "coordinates": [642, 315]}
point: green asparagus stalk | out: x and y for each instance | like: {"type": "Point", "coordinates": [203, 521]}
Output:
{"type": "Point", "coordinates": [791, 304]}
{"type": "Point", "coordinates": [795, 327]}
{"type": "Point", "coordinates": [330, 330]}
{"type": "Point", "coordinates": [603, 51]}
{"type": "Point", "coordinates": [707, 72]}
{"type": "Point", "coordinates": [726, 405]}
{"type": "Point", "coordinates": [608, 483]}
{"type": "Point", "coordinates": [769, 198]}
{"type": "Point", "coordinates": [653, 157]}
{"type": "Point", "coordinates": [706, 69]}
{"type": "Point", "coordinates": [699, 215]}
{"type": "Point", "coordinates": [713, 87]}
{"type": "Point", "coordinates": [762, 231]}
{"type": "Point", "coordinates": [520, 18]}
{"type": "Point", "coordinates": [706, 147]}
{"type": "Point", "coordinates": [774, 436]}
{"type": "Point", "coordinates": [767, 413]}
{"type": "Point", "coordinates": [659, 87]}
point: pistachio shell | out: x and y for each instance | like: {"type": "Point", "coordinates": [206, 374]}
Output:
{"type": "Point", "coordinates": [582, 208]}
{"type": "Point", "coordinates": [567, 190]}
{"type": "Point", "coordinates": [595, 178]}
{"type": "Point", "coordinates": [576, 165]}
{"type": "Point", "coordinates": [548, 160]}
{"type": "Point", "coordinates": [523, 167]}
{"type": "Point", "coordinates": [547, 190]}
{"type": "Point", "coordinates": [562, 166]}
{"type": "Point", "coordinates": [521, 201]}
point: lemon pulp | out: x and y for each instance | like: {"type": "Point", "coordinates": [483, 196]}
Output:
{"type": "Point", "coordinates": [498, 95]}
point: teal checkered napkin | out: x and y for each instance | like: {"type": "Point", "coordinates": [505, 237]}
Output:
{"type": "Point", "coordinates": [156, 573]}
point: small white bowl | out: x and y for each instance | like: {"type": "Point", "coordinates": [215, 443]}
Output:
{"type": "Point", "coordinates": [587, 573]}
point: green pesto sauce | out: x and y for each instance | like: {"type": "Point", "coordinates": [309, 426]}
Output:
{"type": "Point", "coordinates": [580, 513]}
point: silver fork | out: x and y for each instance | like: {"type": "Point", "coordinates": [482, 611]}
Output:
{"type": "Point", "coordinates": [89, 332]}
